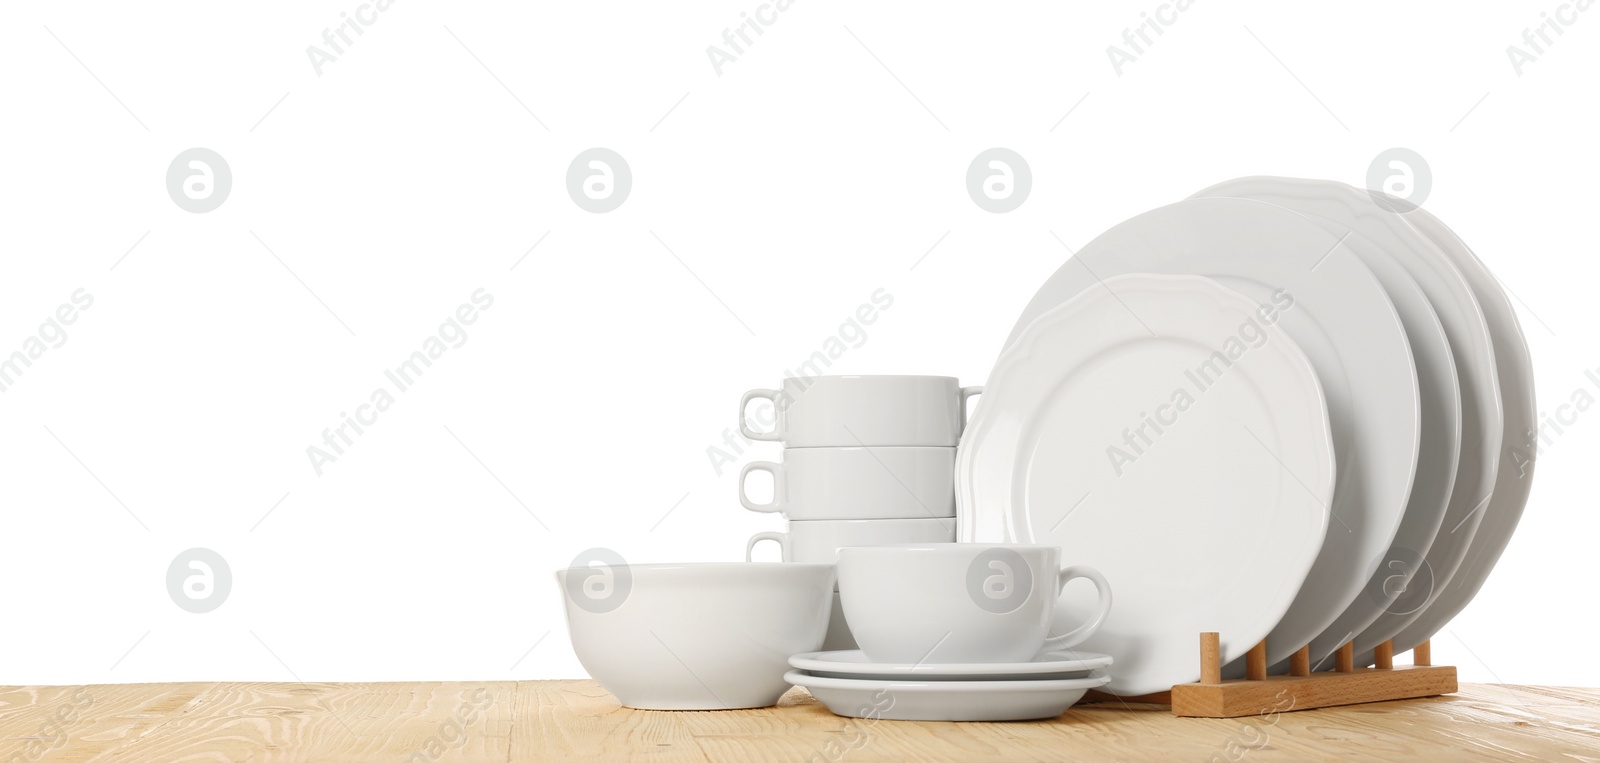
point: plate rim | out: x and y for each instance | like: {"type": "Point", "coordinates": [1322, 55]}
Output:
{"type": "Point", "coordinates": [1484, 554]}
{"type": "Point", "coordinates": [1089, 662]}
{"type": "Point", "coordinates": [801, 678]}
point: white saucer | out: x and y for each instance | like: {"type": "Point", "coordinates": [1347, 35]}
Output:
{"type": "Point", "coordinates": [944, 700]}
{"type": "Point", "coordinates": [854, 663]}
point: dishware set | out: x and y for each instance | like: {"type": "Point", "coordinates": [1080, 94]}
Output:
{"type": "Point", "coordinates": [867, 461]}
{"type": "Point", "coordinates": [1289, 412]}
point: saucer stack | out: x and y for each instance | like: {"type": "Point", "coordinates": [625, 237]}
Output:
{"type": "Point", "coordinates": [852, 685]}
{"type": "Point", "coordinates": [867, 461]}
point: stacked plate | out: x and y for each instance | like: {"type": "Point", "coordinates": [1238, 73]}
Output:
{"type": "Point", "coordinates": [854, 686]}
{"type": "Point", "coordinates": [1281, 409]}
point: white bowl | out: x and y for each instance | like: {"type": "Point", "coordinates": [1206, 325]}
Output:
{"type": "Point", "coordinates": [696, 636]}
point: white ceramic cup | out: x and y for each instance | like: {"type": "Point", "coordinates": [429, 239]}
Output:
{"type": "Point", "coordinates": [838, 638]}
{"type": "Point", "coordinates": [858, 483]}
{"type": "Point", "coordinates": [818, 541]}
{"type": "Point", "coordinates": [960, 602]}
{"type": "Point", "coordinates": [834, 411]}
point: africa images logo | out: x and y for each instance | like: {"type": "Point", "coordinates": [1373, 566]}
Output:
{"type": "Point", "coordinates": [999, 180]}
{"type": "Point", "coordinates": [198, 180]}
{"type": "Point", "coordinates": [598, 180]}
{"type": "Point", "coordinates": [198, 580]}
{"type": "Point", "coordinates": [1537, 39]}
{"type": "Point", "coordinates": [999, 580]}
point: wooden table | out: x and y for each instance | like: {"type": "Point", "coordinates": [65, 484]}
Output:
{"type": "Point", "coordinates": [535, 720]}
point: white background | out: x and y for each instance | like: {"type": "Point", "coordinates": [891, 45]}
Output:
{"type": "Point", "coordinates": [580, 410]}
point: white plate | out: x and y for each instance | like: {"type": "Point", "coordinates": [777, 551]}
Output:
{"type": "Point", "coordinates": [1345, 323]}
{"type": "Point", "coordinates": [1515, 476]}
{"type": "Point", "coordinates": [1215, 522]}
{"type": "Point", "coordinates": [898, 700]}
{"type": "Point", "coordinates": [1439, 499]}
{"type": "Point", "coordinates": [855, 664]}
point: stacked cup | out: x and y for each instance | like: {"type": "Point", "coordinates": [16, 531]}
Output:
{"type": "Point", "coordinates": [867, 461]}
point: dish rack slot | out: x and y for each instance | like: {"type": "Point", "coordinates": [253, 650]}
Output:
{"type": "Point", "coordinates": [1301, 688]}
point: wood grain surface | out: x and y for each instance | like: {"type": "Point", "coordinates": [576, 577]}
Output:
{"type": "Point", "coordinates": [553, 720]}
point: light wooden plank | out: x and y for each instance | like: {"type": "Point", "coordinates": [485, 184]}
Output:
{"type": "Point", "coordinates": [580, 720]}
{"type": "Point", "coordinates": [498, 721]}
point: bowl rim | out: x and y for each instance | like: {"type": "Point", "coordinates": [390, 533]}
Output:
{"type": "Point", "coordinates": [954, 547]}
{"type": "Point", "coordinates": [796, 567]}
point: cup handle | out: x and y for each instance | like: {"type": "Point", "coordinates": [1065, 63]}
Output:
{"type": "Point", "coordinates": [782, 539]}
{"type": "Point", "coordinates": [777, 505]}
{"type": "Point", "coordinates": [967, 392]}
{"type": "Point", "coordinates": [1082, 633]}
{"type": "Point", "coordinates": [744, 425]}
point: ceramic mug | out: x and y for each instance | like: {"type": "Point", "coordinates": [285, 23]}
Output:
{"type": "Point", "coordinates": [960, 602]}
{"type": "Point", "coordinates": [838, 638]}
{"type": "Point", "coordinates": [819, 540]}
{"type": "Point", "coordinates": [834, 411]}
{"type": "Point", "coordinates": [858, 483]}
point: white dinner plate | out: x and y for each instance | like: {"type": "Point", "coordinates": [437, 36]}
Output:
{"type": "Point", "coordinates": [1346, 324]}
{"type": "Point", "coordinates": [1168, 432]}
{"type": "Point", "coordinates": [854, 663]}
{"type": "Point", "coordinates": [900, 700]}
{"type": "Point", "coordinates": [1443, 513]}
{"type": "Point", "coordinates": [1515, 476]}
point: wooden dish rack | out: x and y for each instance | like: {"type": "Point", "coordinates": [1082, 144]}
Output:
{"type": "Point", "coordinates": [1301, 689]}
